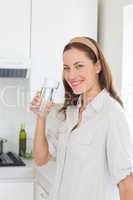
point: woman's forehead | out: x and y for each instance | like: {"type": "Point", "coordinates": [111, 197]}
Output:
{"type": "Point", "coordinates": [75, 54]}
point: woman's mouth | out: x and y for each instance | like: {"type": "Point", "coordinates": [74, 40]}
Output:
{"type": "Point", "coordinates": [76, 83]}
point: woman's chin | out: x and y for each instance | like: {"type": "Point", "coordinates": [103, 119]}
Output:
{"type": "Point", "coordinates": [80, 90]}
{"type": "Point", "coordinates": [77, 91]}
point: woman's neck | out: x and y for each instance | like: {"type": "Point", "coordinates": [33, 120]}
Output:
{"type": "Point", "coordinates": [90, 95]}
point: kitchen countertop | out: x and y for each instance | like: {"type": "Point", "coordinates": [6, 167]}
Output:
{"type": "Point", "coordinates": [44, 175]}
{"type": "Point", "coordinates": [27, 171]}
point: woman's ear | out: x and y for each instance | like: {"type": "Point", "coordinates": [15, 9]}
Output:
{"type": "Point", "coordinates": [98, 67]}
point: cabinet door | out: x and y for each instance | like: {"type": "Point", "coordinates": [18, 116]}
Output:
{"type": "Point", "coordinates": [40, 193]}
{"type": "Point", "coordinates": [54, 23]}
{"type": "Point", "coordinates": [15, 29]}
{"type": "Point", "coordinates": [15, 191]}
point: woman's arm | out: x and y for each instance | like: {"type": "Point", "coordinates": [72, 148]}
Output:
{"type": "Point", "coordinates": [40, 143]}
{"type": "Point", "coordinates": [126, 188]}
{"type": "Point", "coordinates": [41, 150]}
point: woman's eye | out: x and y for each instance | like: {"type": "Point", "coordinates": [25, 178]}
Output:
{"type": "Point", "coordinates": [78, 66]}
{"type": "Point", "coordinates": [66, 68]}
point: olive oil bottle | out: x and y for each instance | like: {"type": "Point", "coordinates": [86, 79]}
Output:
{"type": "Point", "coordinates": [22, 140]}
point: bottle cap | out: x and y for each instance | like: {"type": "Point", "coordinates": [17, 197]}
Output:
{"type": "Point", "coordinates": [22, 125]}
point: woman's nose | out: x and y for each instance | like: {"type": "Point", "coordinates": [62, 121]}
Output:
{"type": "Point", "coordinates": [72, 74]}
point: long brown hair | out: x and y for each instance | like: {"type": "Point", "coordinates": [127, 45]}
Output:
{"type": "Point", "coordinates": [105, 76]}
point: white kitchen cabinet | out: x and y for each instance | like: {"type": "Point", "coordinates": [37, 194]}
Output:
{"type": "Point", "coordinates": [54, 23]}
{"type": "Point", "coordinates": [10, 190]}
{"type": "Point", "coordinates": [40, 192]}
{"type": "Point", "coordinates": [15, 24]}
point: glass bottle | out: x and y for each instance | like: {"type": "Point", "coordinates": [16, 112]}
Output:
{"type": "Point", "coordinates": [22, 140]}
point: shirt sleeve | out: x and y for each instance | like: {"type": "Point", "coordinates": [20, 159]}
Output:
{"type": "Point", "coordinates": [119, 147]}
{"type": "Point", "coordinates": [52, 126]}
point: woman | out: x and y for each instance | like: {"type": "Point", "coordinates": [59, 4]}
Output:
{"type": "Point", "coordinates": [88, 135]}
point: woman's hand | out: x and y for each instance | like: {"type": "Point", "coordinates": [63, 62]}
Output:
{"type": "Point", "coordinates": [35, 105]}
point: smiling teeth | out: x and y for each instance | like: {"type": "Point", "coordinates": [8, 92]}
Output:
{"type": "Point", "coordinates": [76, 83]}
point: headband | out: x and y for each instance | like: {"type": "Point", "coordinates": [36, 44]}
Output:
{"type": "Point", "coordinates": [86, 42]}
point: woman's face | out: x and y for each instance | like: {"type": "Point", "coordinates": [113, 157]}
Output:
{"type": "Point", "coordinates": [79, 71]}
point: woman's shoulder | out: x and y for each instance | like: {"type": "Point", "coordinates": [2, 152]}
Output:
{"type": "Point", "coordinates": [115, 110]}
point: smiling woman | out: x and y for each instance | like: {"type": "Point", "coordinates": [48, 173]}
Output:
{"type": "Point", "coordinates": [85, 68]}
{"type": "Point", "coordinates": [89, 134]}
{"type": "Point", "coordinates": [80, 75]}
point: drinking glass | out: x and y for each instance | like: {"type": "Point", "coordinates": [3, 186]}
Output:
{"type": "Point", "coordinates": [49, 87]}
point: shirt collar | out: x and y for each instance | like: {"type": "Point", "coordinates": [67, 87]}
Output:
{"type": "Point", "coordinates": [97, 102]}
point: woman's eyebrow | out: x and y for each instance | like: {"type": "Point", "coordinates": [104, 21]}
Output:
{"type": "Point", "coordinates": [78, 62]}
{"type": "Point", "coordinates": [66, 65]}
{"type": "Point", "coordinates": [75, 63]}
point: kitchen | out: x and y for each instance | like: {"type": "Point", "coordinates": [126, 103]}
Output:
{"type": "Point", "coordinates": [30, 31]}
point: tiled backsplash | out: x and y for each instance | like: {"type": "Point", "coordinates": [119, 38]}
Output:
{"type": "Point", "coordinates": [14, 110]}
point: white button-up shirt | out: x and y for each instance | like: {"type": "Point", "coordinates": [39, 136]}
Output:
{"type": "Point", "coordinates": [93, 158]}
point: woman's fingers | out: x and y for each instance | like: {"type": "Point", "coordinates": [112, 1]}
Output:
{"type": "Point", "coordinates": [38, 94]}
{"type": "Point", "coordinates": [36, 100]}
{"type": "Point", "coordinates": [48, 106]}
{"type": "Point", "coordinates": [35, 105]}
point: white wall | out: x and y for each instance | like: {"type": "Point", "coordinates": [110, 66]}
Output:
{"type": "Point", "coordinates": [111, 34]}
{"type": "Point", "coordinates": [14, 95]}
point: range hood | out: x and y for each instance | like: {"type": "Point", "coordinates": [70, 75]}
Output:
{"type": "Point", "coordinates": [12, 68]}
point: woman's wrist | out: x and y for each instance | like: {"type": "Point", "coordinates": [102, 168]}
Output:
{"type": "Point", "coordinates": [41, 118]}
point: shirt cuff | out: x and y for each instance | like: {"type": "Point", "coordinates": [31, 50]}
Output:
{"type": "Point", "coordinates": [122, 174]}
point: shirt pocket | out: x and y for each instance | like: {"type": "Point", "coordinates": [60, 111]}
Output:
{"type": "Point", "coordinates": [81, 141]}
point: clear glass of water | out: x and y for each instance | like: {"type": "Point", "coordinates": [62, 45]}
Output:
{"type": "Point", "coordinates": [49, 87]}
